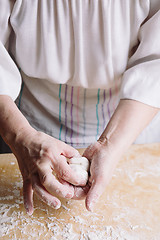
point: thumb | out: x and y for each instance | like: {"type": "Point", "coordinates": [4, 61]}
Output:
{"type": "Point", "coordinates": [69, 151]}
{"type": "Point", "coordinates": [88, 153]}
{"type": "Point", "coordinates": [96, 190]}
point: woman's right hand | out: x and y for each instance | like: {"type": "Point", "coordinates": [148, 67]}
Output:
{"type": "Point", "coordinates": [38, 155]}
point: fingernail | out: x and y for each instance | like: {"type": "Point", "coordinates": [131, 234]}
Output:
{"type": "Point", "coordinates": [29, 212]}
{"type": "Point", "coordinates": [90, 207]}
{"type": "Point", "coordinates": [69, 195]}
{"type": "Point", "coordinates": [57, 205]}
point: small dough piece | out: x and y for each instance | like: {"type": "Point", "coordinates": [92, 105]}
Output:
{"type": "Point", "coordinates": [80, 172]}
{"type": "Point", "coordinates": [82, 161]}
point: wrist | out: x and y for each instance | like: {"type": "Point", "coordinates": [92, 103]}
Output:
{"type": "Point", "coordinates": [14, 137]}
{"type": "Point", "coordinates": [13, 125]}
{"type": "Point", "coordinates": [128, 121]}
{"type": "Point", "coordinates": [112, 146]}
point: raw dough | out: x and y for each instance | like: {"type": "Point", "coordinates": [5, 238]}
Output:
{"type": "Point", "coordinates": [81, 166]}
{"type": "Point", "coordinates": [83, 174]}
{"type": "Point", "coordinates": [82, 161]}
{"type": "Point", "coordinates": [128, 209]}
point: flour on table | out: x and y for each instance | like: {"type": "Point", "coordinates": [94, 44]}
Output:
{"type": "Point", "coordinates": [128, 209]}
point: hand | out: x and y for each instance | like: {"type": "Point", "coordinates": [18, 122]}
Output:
{"type": "Point", "coordinates": [103, 162]}
{"type": "Point", "coordinates": [38, 155]}
{"type": "Point", "coordinates": [129, 119]}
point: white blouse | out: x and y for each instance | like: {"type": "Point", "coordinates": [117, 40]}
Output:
{"type": "Point", "coordinates": [70, 61]}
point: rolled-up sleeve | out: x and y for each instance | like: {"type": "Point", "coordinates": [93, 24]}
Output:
{"type": "Point", "coordinates": [141, 81]}
{"type": "Point", "coordinates": [10, 78]}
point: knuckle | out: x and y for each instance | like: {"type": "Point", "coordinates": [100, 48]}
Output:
{"type": "Point", "coordinates": [45, 180]}
{"type": "Point", "coordinates": [77, 182]}
{"type": "Point", "coordinates": [26, 182]}
{"type": "Point", "coordinates": [46, 151]}
{"type": "Point", "coordinates": [34, 185]}
{"type": "Point", "coordinates": [65, 174]}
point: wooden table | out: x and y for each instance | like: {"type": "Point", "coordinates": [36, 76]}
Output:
{"type": "Point", "coordinates": [129, 208]}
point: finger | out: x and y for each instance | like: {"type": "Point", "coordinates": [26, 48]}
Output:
{"type": "Point", "coordinates": [28, 196]}
{"type": "Point", "coordinates": [43, 194]}
{"type": "Point", "coordinates": [51, 184]}
{"type": "Point", "coordinates": [88, 153]}
{"type": "Point", "coordinates": [80, 192]}
{"type": "Point", "coordinates": [96, 190]}
{"type": "Point", "coordinates": [63, 181]}
{"type": "Point", "coordinates": [69, 151]}
{"type": "Point", "coordinates": [65, 172]}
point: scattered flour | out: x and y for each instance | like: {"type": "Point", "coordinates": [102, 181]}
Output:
{"type": "Point", "coordinates": [82, 225]}
{"type": "Point", "coordinates": [50, 228]}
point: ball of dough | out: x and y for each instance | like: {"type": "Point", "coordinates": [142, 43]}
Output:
{"type": "Point", "coordinates": [80, 165]}
{"type": "Point", "coordinates": [82, 161]}
{"type": "Point", "coordinates": [81, 173]}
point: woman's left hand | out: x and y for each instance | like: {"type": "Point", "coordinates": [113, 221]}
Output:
{"type": "Point", "coordinates": [120, 133]}
{"type": "Point", "coordinates": [103, 161]}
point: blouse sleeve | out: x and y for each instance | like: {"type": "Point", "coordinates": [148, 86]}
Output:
{"type": "Point", "coordinates": [10, 79]}
{"type": "Point", "coordinates": [141, 81]}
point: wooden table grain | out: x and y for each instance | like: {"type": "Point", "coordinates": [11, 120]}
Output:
{"type": "Point", "coordinates": [128, 209]}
